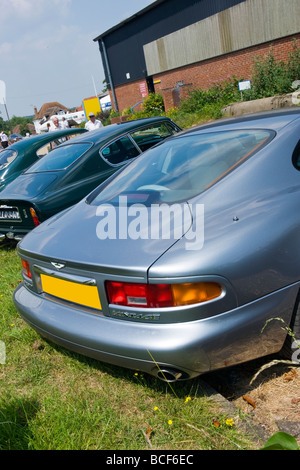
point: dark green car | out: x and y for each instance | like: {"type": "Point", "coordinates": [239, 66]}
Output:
{"type": "Point", "coordinates": [21, 155]}
{"type": "Point", "coordinates": [70, 172]}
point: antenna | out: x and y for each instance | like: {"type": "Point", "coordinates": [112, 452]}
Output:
{"type": "Point", "coordinates": [94, 87]}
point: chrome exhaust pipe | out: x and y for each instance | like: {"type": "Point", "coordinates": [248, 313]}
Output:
{"type": "Point", "coordinates": [2, 237]}
{"type": "Point", "coordinates": [169, 375]}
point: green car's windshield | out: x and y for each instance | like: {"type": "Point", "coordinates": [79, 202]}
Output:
{"type": "Point", "coordinates": [6, 157]}
{"type": "Point", "coordinates": [181, 168]}
{"type": "Point", "coordinates": [59, 158]}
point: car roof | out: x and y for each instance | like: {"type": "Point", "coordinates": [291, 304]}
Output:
{"type": "Point", "coordinates": [274, 120]}
{"type": "Point", "coordinates": [114, 130]}
{"type": "Point", "coordinates": [26, 142]}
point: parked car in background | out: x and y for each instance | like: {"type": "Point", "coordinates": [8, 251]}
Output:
{"type": "Point", "coordinates": [19, 156]}
{"type": "Point", "coordinates": [71, 171]}
{"type": "Point", "coordinates": [184, 261]}
{"type": "Point", "coordinates": [15, 138]}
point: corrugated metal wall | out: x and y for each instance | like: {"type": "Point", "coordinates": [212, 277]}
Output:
{"type": "Point", "coordinates": [247, 24]}
{"type": "Point", "coordinates": [124, 44]}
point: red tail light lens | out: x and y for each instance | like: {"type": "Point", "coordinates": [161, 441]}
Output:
{"type": "Point", "coordinates": [139, 295]}
{"type": "Point", "coordinates": [34, 217]}
{"type": "Point", "coordinates": [26, 268]}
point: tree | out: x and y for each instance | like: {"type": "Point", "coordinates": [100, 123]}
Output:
{"type": "Point", "coordinates": [4, 126]}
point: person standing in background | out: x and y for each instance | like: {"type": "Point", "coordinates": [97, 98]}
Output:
{"type": "Point", "coordinates": [64, 123]}
{"type": "Point", "coordinates": [4, 140]}
{"type": "Point", "coordinates": [93, 123]}
{"type": "Point", "coordinates": [55, 125]}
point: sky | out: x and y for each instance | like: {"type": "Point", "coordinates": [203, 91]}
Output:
{"type": "Point", "coordinates": [47, 52]}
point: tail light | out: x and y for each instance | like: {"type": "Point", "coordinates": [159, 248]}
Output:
{"type": "Point", "coordinates": [26, 268]}
{"type": "Point", "coordinates": [139, 295]}
{"type": "Point", "coordinates": [161, 295]}
{"type": "Point", "coordinates": [34, 217]}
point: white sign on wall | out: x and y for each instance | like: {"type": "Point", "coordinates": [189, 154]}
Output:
{"type": "Point", "coordinates": [245, 85]}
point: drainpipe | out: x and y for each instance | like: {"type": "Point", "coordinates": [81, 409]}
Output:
{"type": "Point", "coordinates": [109, 74]}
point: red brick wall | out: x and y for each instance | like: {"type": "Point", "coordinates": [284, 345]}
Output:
{"type": "Point", "coordinates": [129, 95]}
{"type": "Point", "coordinates": [204, 74]}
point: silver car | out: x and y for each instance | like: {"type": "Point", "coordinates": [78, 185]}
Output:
{"type": "Point", "coordinates": [184, 262]}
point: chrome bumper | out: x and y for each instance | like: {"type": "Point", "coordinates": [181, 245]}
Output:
{"type": "Point", "coordinates": [10, 236]}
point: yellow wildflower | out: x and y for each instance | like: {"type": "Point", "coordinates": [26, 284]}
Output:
{"type": "Point", "coordinates": [229, 422]}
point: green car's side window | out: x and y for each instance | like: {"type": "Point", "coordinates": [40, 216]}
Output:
{"type": "Point", "coordinates": [120, 151]}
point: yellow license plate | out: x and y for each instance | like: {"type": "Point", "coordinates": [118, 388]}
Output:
{"type": "Point", "coordinates": [71, 291]}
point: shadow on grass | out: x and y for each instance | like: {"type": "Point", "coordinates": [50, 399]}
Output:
{"type": "Point", "coordinates": [228, 381]}
{"type": "Point", "coordinates": [15, 417]}
{"type": "Point", "coordinates": [180, 389]}
{"type": "Point", "coordinates": [8, 245]}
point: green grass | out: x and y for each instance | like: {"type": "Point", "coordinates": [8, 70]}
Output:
{"type": "Point", "coordinates": [51, 399]}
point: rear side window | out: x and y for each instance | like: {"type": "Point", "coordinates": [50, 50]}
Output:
{"type": "Point", "coordinates": [60, 158]}
{"type": "Point", "coordinates": [119, 151]}
{"type": "Point", "coordinates": [6, 157]}
{"type": "Point", "coordinates": [149, 136]}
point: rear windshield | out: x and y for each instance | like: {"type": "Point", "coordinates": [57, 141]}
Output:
{"type": "Point", "coordinates": [59, 158]}
{"type": "Point", "coordinates": [6, 157]}
{"type": "Point", "coordinates": [181, 168]}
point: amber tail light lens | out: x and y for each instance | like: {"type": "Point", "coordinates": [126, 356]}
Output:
{"type": "Point", "coordinates": [194, 293]}
{"type": "Point", "coordinates": [161, 295]}
{"type": "Point", "coordinates": [34, 217]}
{"type": "Point", "coordinates": [26, 268]}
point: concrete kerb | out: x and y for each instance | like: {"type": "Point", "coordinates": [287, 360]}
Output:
{"type": "Point", "coordinates": [244, 424]}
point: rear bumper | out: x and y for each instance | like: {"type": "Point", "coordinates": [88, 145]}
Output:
{"type": "Point", "coordinates": [12, 235]}
{"type": "Point", "coordinates": [14, 231]}
{"type": "Point", "coordinates": [192, 348]}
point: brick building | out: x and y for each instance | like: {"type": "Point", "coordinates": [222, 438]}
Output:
{"type": "Point", "coordinates": [172, 46]}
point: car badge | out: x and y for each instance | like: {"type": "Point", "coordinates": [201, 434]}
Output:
{"type": "Point", "coordinates": [58, 265]}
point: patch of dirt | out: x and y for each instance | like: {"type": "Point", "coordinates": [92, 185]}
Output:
{"type": "Point", "coordinates": [272, 400]}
